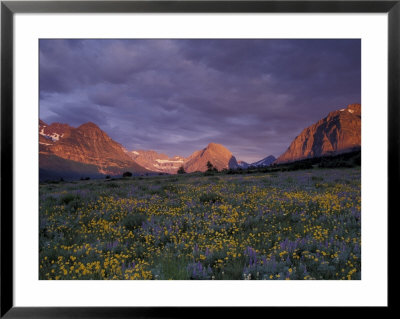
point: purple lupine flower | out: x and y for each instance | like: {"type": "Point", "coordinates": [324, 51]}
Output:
{"type": "Point", "coordinates": [264, 260]}
{"type": "Point", "coordinates": [305, 270]}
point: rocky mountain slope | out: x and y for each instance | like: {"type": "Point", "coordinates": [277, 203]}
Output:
{"type": "Point", "coordinates": [337, 133]}
{"type": "Point", "coordinates": [219, 156]}
{"type": "Point", "coordinates": [86, 144]}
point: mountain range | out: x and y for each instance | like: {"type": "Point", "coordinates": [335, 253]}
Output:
{"type": "Point", "coordinates": [157, 162]}
{"type": "Point", "coordinates": [69, 152]}
{"type": "Point", "coordinates": [267, 161]}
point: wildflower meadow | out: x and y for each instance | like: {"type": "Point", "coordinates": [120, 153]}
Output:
{"type": "Point", "coordinates": [294, 225]}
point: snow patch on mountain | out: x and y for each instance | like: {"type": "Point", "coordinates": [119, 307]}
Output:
{"type": "Point", "coordinates": [54, 137]}
{"type": "Point", "coordinates": [168, 161]}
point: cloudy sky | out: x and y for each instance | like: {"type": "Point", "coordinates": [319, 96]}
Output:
{"type": "Point", "coordinates": [176, 96]}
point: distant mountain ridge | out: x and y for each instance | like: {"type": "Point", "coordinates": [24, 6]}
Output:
{"type": "Point", "coordinates": [218, 155]}
{"type": "Point", "coordinates": [157, 162]}
{"type": "Point", "coordinates": [87, 150]}
{"type": "Point", "coordinates": [267, 161]}
{"type": "Point", "coordinates": [338, 132]}
{"type": "Point", "coordinates": [243, 164]}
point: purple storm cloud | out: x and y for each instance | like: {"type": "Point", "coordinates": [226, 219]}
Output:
{"type": "Point", "coordinates": [176, 96]}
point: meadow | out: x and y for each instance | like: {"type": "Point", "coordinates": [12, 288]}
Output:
{"type": "Point", "coordinates": [293, 225]}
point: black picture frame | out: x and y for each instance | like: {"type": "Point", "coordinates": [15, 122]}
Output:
{"type": "Point", "coordinates": [9, 8]}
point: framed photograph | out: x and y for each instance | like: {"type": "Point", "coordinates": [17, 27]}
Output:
{"type": "Point", "coordinates": [164, 155]}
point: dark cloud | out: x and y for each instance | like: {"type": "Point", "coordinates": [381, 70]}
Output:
{"type": "Point", "coordinates": [176, 96]}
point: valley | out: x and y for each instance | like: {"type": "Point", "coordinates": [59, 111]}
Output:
{"type": "Point", "coordinates": [203, 159]}
{"type": "Point", "coordinates": [87, 151]}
